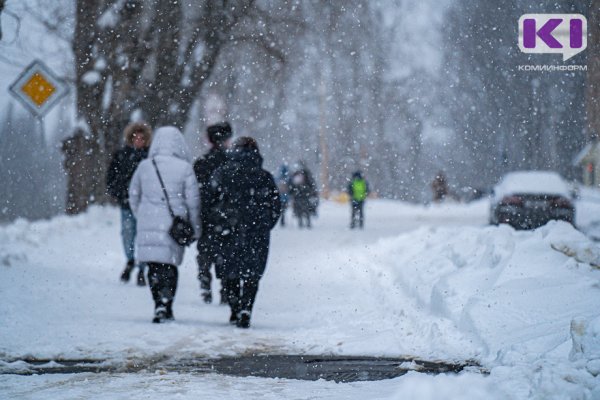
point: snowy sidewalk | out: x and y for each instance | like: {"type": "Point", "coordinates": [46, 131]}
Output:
{"type": "Point", "coordinates": [430, 282]}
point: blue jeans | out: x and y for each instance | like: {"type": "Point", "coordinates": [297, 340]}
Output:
{"type": "Point", "coordinates": [128, 232]}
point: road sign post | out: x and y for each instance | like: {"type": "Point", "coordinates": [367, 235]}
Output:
{"type": "Point", "coordinates": [38, 89]}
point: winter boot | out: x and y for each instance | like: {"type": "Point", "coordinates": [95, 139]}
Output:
{"type": "Point", "coordinates": [127, 272]}
{"type": "Point", "coordinates": [160, 314]}
{"type": "Point", "coordinates": [243, 320]}
{"type": "Point", "coordinates": [233, 318]}
{"type": "Point", "coordinates": [170, 315]}
{"type": "Point", "coordinates": [206, 295]}
{"type": "Point", "coordinates": [141, 280]}
{"type": "Point", "coordinates": [205, 291]}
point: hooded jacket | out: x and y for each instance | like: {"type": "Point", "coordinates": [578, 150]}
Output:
{"type": "Point", "coordinates": [247, 202]}
{"type": "Point", "coordinates": [148, 203]}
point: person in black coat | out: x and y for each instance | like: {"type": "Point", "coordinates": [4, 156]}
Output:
{"type": "Point", "coordinates": [122, 166]}
{"type": "Point", "coordinates": [209, 244]}
{"type": "Point", "coordinates": [248, 203]}
{"type": "Point", "coordinates": [304, 193]}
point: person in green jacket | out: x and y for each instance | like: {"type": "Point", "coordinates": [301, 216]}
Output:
{"type": "Point", "coordinates": [358, 189]}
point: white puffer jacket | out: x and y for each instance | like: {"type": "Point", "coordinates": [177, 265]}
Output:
{"type": "Point", "coordinates": [153, 243]}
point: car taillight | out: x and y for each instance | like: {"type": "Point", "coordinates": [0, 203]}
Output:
{"type": "Point", "coordinates": [561, 202]}
{"type": "Point", "coordinates": [512, 201]}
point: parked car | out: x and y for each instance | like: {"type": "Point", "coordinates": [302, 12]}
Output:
{"type": "Point", "coordinates": [529, 199]}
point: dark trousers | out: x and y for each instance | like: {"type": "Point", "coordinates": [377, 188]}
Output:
{"type": "Point", "coordinates": [208, 255]}
{"type": "Point", "coordinates": [241, 293]}
{"type": "Point", "coordinates": [204, 275]}
{"type": "Point", "coordinates": [284, 206]}
{"type": "Point", "coordinates": [302, 218]}
{"type": "Point", "coordinates": [163, 283]}
{"type": "Point", "coordinates": [357, 213]}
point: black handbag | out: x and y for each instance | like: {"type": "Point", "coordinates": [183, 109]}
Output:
{"type": "Point", "coordinates": [181, 229]}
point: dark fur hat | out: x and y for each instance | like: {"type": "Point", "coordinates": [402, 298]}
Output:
{"type": "Point", "coordinates": [220, 132]}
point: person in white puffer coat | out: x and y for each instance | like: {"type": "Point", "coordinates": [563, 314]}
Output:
{"type": "Point", "coordinates": [153, 244]}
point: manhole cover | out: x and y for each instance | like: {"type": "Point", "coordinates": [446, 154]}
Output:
{"type": "Point", "coordinates": [305, 367]}
{"type": "Point", "coordinates": [336, 368]}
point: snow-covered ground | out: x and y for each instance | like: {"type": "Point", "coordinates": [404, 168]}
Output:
{"type": "Point", "coordinates": [432, 282]}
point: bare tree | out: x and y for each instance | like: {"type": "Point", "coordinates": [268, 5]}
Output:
{"type": "Point", "coordinates": [147, 56]}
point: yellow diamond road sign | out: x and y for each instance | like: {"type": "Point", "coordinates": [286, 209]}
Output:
{"type": "Point", "coordinates": [37, 88]}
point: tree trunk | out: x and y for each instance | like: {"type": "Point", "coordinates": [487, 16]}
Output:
{"type": "Point", "coordinates": [78, 180]}
{"type": "Point", "coordinates": [82, 151]}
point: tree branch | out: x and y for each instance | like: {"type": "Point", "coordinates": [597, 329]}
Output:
{"type": "Point", "coordinates": [16, 18]}
{"type": "Point", "coordinates": [265, 43]}
{"type": "Point", "coordinates": [271, 19]}
{"type": "Point", "coordinates": [52, 25]}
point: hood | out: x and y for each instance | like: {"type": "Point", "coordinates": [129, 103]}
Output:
{"type": "Point", "coordinates": [168, 141]}
{"type": "Point", "coordinates": [248, 158]}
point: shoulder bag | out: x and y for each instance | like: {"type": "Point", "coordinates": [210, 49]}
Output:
{"type": "Point", "coordinates": [181, 229]}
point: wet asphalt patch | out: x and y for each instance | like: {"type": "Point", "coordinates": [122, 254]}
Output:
{"type": "Point", "coordinates": [303, 367]}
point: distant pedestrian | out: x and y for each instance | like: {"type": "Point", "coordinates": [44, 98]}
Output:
{"type": "Point", "coordinates": [358, 189]}
{"type": "Point", "coordinates": [283, 185]}
{"type": "Point", "coordinates": [248, 201]}
{"type": "Point", "coordinates": [209, 244]}
{"type": "Point", "coordinates": [168, 161]}
{"type": "Point", "coordinates": [439, 187]}
{"type": "Point", "coordinates": [122, 166]}
{"type": "Point", "coordinates": [304, 194]}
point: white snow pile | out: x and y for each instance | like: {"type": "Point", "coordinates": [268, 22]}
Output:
{"type": "Point", "coordinates": [525, 305]}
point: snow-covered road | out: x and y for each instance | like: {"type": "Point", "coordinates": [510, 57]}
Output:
{"type": "Point", "coordinates": [431, 282]}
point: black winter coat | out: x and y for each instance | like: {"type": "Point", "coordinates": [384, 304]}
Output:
{"type": "Point", "coordinates": [204, 169]}
{"type": "Point", "coordinates": [304, 192]}
{"type": "Point", "coordinates": [120, 172]}
{"type": "Point", "coordinates": [247, 203]}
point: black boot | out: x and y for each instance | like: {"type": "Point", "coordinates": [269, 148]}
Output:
{"type": "Point", "coordinates": [206, 295]}
{"type": "Point", "coordinates": [243, 320]}
{"type": "Point", "coordinates": [127, 271]}
{"type": "Point", "coordinates": [163, 313]}
{"type": "Point", "coordinates": [160, 314]}
{"type": "Point", "coordinates": [205, 291]}
{"type": "Point", "coordinates": [233, 318]}
{"type": "Point", "coordinates": [170, 315]}
{"type": "Point", "coordinates": [231, 293]}
{"type": "Point", "coordinates": [141, 279]}
{"type": "Point", "coordinates": [246, 301]}
{"type": "Point", "coordinates": [163, 285]}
